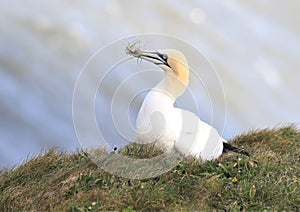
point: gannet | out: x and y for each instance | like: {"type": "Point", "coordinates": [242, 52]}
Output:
{"type": "Point", "coordinates": [169, 127]}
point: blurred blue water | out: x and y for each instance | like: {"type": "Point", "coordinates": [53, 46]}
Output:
{"type": "Point", "coordinates": [43, 46]}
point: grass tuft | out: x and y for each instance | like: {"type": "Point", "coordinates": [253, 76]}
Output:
{"type": "Point", "coordinates": [268, 180]}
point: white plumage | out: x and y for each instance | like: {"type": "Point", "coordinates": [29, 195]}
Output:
{"type": "Point", "coordinates": [169, 127]}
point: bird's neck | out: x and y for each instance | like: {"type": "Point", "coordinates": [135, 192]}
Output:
{"type": "Point", "coordinates": [171, 86]}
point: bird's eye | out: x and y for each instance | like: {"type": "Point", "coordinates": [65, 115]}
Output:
{"type": "Point", "coordinates": [164, 56]}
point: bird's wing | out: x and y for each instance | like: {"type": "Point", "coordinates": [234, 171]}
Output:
{"type": "Point", "coordinates": [197, 138]}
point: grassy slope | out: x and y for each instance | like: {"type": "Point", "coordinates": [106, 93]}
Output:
{"type": "Point", "coordinates": [270, 179]}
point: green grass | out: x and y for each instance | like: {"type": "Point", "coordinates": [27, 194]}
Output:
{"type": "Point", "coordinates": [268, 180]}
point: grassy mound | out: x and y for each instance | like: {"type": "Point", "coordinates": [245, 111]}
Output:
{"type": "Point", "coordinates": [269, 179]}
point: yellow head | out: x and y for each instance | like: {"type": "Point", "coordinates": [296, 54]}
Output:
{"type": "Point", "coordinates": [176, 64]}
{"type": "Point", "coordinates": [170, 60]}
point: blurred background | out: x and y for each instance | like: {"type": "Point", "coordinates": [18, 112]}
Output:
{"type": "Point", "coordinates": [254, 47]}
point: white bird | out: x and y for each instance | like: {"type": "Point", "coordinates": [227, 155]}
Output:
{"type": "Point", "coordinates": [169, 127]}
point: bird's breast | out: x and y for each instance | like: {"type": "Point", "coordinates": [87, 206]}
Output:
{"type": "Point", "coordinates": [158, 121]}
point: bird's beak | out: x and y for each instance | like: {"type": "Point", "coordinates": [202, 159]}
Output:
{"type": "Point", "coordinates": [152, 56]}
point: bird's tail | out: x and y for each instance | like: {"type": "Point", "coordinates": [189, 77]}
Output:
{"type": "Point", "coordinates": [229, 148]}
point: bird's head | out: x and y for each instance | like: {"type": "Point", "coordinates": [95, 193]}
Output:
{"type": "Point", "coordinates": [170, 60]}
